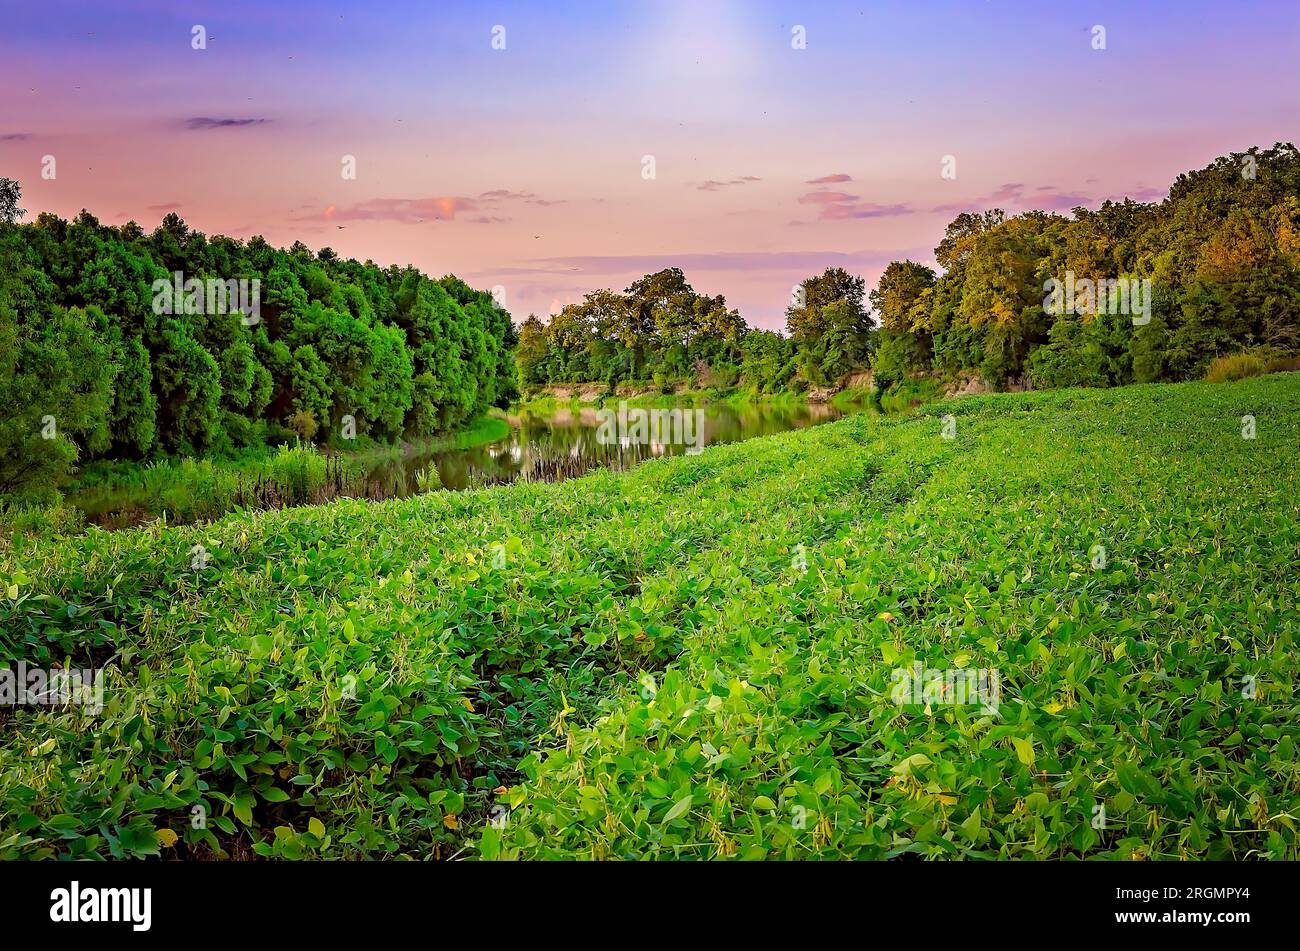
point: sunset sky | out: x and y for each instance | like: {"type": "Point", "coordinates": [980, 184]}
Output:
{"type": "Point", "coordinates": [523, 167]}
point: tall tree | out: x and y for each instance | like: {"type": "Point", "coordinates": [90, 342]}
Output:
{"type": "Point", "coordinates": [10, 194]}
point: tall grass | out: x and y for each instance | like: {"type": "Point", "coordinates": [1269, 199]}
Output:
{"type": "Point", "coordinates": [191, 490]}
{"type": "Point", "coordinates": [1236, 366]}
{"type": "Point", "coordinates": [40, 520]}
{"type": "Point", "coordinates": [1248, 363]}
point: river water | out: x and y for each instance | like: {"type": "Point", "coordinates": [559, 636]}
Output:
{"type": "Point", "coordinates": [563, 442]}
{"type": "Point", "coordinates": [545, 445]}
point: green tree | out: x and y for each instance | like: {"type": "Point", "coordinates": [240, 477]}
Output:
{"type": "Point", "coordinates": [10, 194]}
{"type": "Point", "coordinates": [829, 325]}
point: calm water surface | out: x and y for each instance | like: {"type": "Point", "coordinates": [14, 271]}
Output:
{"type": "Point", "coordinates": [563, 442]}
{"type": "Point", "coordinates": [542, 445]}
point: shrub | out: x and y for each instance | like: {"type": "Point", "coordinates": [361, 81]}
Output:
{"type": "Point", "coordinates": [304, 424]}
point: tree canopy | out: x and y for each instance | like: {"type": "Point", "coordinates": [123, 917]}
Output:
{"type": "Point", "coordinates": [1221, 253]}
{"type": "Point", "coordinates": [86, 343]}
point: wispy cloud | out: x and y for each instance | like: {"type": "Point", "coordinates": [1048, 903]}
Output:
{"type": "Point", "coordinates": [839, 206]}
{"type": "Point", "coordinates": [825, 197]}
{"type": "Point", "coordinates": [1016, 196]}
{"type": "Point", "coordinates": [203, 122]}
{"type": "Point", "coordinates": [407, 211]}
{"type": "Point", "coordinates": [866, 209]}
{"type": "Point", "coordinates": [506, 194]}
{"type": "Point", "coordinates": [483, 210]}
{"type": "Point", "coordinates": [810, 261]}
{"type": "Point", "coordinates": [713, 185]}
{"type": "Point", "coordinates": [835, 179]}
{"type": "Point", "coordinates": [15, 136]}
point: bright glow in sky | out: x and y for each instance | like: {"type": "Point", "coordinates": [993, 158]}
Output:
{"type": "Point", "coordinates": [523, 167]}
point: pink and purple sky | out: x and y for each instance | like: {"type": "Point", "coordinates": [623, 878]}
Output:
{"type": "Point", "coordinates": [523, 166]}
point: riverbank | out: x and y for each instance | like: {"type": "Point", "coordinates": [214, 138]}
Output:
{"type": "Point", "coordinates": [596, 394]}
{"type": "Point", "coordinates": [853, 391]}
{"type": "Point", "coordinates": [544, 442]}
{"type": "Point", "coordinates": [183, 491]}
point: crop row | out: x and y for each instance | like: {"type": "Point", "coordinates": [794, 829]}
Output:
{"type": "Point", "coordinates": [695, 659]}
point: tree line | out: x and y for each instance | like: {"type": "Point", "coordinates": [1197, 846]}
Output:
{"type": "Point", "coordinates": [1220, 256]}
{"type": "Point", "coordinates": [662, 330]}
{"type": "Point", "coordinates": [1214, 268]}
{"type": "Point", "coordinates": [97, 363]}
{"type": "Point", "coordinates": [91, 366]}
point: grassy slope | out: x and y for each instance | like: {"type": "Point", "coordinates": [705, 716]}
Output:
{"type": "Point", "coordinates": [765, 727]}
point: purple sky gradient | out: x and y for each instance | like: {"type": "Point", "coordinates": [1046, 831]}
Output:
{"type": "Point", "coordinates": [523, 166]}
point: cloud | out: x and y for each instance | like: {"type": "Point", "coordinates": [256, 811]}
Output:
{"type": "Point", "coordinates": [825, 197]}
{"type": "Point", "coordinates": [779, 261]}
{"type": "Point", "coordinates": [203, 122]}
{"type": "Point", "coordinates": [840, 206]}
{"type": "Point", "coordinates": [956, 207]}
{"type": "Point", "coordinates": [1013, 196]}
{"type": "Point", "coordinates": [406, 211]}
{"type": "Point", "coordinates": [15, 137]}
{"type": "Point", "coordinates": [1018, 197]}
{"type": "Point", "coordinates": [505, 194]}
{"type": "Point", "coordinates": [1060, 201]}
{"type": "Point", "coordinates": [835, 179]}
{"type": "Point", "coordinates": [866, 209]}
{"type": "Point", "coordinates": [486, 209]}
{"type": "Point", "coordinates": [170, 206]}
{"type": "Point", "coordinates": [712, 186]}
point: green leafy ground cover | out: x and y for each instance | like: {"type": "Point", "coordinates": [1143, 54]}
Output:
{"type": "Point", "coordinates": [640, 664]}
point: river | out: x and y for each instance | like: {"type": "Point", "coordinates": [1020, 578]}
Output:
{"type": "Point", "coordinates": [562, 442]}
{"type": "Point", "coordinates": [542, 444]}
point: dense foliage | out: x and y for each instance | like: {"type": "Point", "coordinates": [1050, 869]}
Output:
{"type": "Point", "coordinates": [92, 367]}
{"type": "Point", "coordinates": [1221, 252]}
{"type": "Point", "coordinates": [693, 659]}
{"type": "Point", "coordinates": [660, 328]}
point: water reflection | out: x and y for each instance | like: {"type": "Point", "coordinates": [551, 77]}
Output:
{"type": "Point", "coordinates": [562, 443]}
